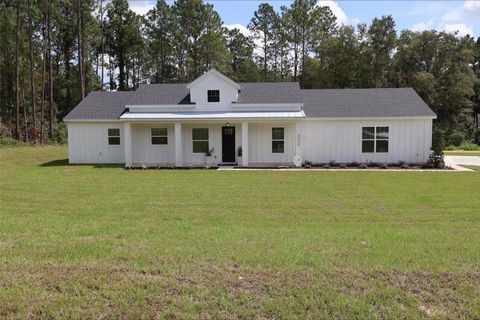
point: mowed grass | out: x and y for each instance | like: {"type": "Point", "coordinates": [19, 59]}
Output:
{"type": "Point", "coordinates": [462, 153]}
{"type": "Point", "coordinates": [103, 242]}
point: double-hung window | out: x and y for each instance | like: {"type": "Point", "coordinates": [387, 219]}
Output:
{"type": "Point", "coordinates": [159, 136]}
{"type": "Point", "coordinates": [375, 139]}
{"type": "Point", "coordinates": [200, 140]}
{"type": "Point", "coordinates": [113, 136]}
{"type": "Point", "coordinates": [213, 95]}
{"type": "Point", "coordinates": [278, 140]}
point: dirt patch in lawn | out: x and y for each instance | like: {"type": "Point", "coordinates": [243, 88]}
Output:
{"type": "Point", "coordinates": [231, 291]}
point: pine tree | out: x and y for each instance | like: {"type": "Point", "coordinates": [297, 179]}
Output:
{"type": "Point", "coordinates": [262, 26]}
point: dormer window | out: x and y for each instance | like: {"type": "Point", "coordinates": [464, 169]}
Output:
{"type": "Point", "coordinates": [213, 95]}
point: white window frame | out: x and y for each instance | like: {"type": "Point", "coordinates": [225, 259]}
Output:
{"type": "Point", "coordinates": [208, 141]}
{"type": "Point", "coordinates": [114, 136]}
{"type": "Point", "coordinates": [375, 139]}
{"type": "Point", "coordinates": [158, 136]}
{"type": "Point", "coordinates": [282, 140]}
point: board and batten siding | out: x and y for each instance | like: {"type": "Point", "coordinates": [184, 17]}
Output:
{"type": "Point", "coordinates": [88, 143]}
{"type": "Point", "coordinates": [214, 141]}
{"type": "Point", "coordinates": [260, 143]}
{"type": "Point", "coordinates": [323, 141]}
{"type": "Point", "coordinates": [143, 151]}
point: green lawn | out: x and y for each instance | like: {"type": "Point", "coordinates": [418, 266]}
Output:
{"type": "Point", "coordinates": [104, 242]}
{"type": "Point", "coordinates": [462, 153]}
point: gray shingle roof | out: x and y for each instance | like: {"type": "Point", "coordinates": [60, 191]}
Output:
{"type": "Point", "coordinates": [270, 92]}
{"type": "Point", "coordinates": [352, 103]}
{"type": "Point", "coordinates": [168, 93]}
{"type": "Point", "coordinates": [322, 103]}
{"type": "Point", "coordinates": [101, 106]}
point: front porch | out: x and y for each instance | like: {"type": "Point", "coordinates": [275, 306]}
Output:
{"type": "Point", "coordinates": [186, 144]}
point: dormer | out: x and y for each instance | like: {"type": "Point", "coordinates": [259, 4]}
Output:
{"type": "Point", "coordinates": [213, 88]}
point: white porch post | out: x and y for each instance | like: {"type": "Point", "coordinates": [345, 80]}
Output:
{"type": "Point", "coordinates": [178, 145]}
{"type": "Point", "coordinates": [127, 132]}
{"type": "Point", "coordinates": [244, 144]}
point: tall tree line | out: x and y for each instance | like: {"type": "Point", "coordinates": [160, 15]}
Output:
{"type": "Point", "coordinates": [54, 52]}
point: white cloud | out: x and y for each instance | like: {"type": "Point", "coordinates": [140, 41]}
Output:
{"type": "Point", "coordinates": [421, 7]}
{"type": "Point", "coordinates": [355, 21]}
{"type": "Point", "coordinates": [451, 16]}
{"type": "Point", "coordinates": [424, 25]}
{"type": "Point", "coordinates": [462, 29]}
{"type": "Point", "coordinates": [141, 6]}
{"type": "Point", "coordinates": [472, 6]}
{"type": "Point", "coordinates": [243, 29]}
{"type": "Point", "coordinates": [336, 10]}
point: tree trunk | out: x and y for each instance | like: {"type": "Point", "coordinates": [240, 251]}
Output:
{"type": "Point", "coordinates": [50, 79]}
{"type": "Point", "coordinates": [17, 74]}
{"type": "Point", "coordinates": [101, 38]}
{"type": "Point", "coordinates": [134, 80]}
{"type": "Point", "coordinates": [25, 114]}
{"type": "Point", "coordinates": [121, 73]}
{"type": "Point", "coordinates": [80, 51]}
{"type": "Point", "coordinates": [264, 55]}
{"type": "Point", "coordinates": [295, 61]}
{"type": "Point", "coordinates": [44, 71]}
{"type": "Point", "coordinates": [302, 83]}
{"type": "Point", "coordinates": [32, 73]}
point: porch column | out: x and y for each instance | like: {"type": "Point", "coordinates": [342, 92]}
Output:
{"type": "Point", "coordinates": [244, 144]}
{"type": "Point", "coordinates": [127, 132]}
{"type": "Point", "coordinates": [178, 145]}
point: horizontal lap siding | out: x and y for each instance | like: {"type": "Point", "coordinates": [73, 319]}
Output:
{"type": "Point", "coordinates": [88, 143]}
{"type": "Point", "coordinates": [341, 140]}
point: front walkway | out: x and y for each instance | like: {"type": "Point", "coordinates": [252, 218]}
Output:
{"type": "Point", "coordinates": [456, 162]}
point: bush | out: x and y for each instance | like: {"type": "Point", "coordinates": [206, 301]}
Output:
{"type": "Point", "coordinates": [476, 136]}
{"type": "Point", "coordinates": [404, 166]}
{"type": "Point", "coordinates": [451, 148]}
{"type": "Point", "coordinates": [10, 142]}
{"type": "Point", "coordinates": [60, 133]}
{"type": "Point", "coordinates": [436, 159]}
{"type": "Point", "coordinates": [5, 131]}
{"type": "Point", "coordinates": [469, 146]}
{"type": "Point", "coordinates": [456, 139]}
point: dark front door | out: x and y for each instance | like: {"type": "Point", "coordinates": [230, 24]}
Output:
{"type": "Point", "coordinates": [228, 144]}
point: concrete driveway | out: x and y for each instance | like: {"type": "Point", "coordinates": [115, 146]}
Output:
{"type": "Point", "coordinates": [456, 162]}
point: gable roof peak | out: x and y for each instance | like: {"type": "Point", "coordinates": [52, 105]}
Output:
{"type": "Point", "coordinates": [217, 73]}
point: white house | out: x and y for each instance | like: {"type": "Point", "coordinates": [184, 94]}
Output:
{"type": "Point", "coordinates": [272, 124]}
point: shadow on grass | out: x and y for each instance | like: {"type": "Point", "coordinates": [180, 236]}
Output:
{"type": "Point", "coordinates": [64, 163]}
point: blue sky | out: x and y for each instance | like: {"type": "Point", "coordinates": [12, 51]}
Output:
{"type": "Point", "coordinates": [450, 16]}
